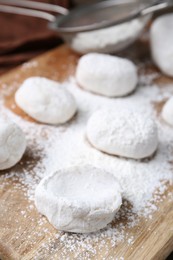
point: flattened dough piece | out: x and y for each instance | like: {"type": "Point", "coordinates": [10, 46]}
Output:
{"type": "Point", "coordinates": [161, 37]}
{"type": "Point", "coordinates": [106, 75]}
{"type": "Point", "coordinates": [45, 100]}
{"type": "Point", "coordinates": [79, 199]}
{"type": "Point", "coordinates": [122, 132]}
{"type": "Point", "coordinates": [12, 144]}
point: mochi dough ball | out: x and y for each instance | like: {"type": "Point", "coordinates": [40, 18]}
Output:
{"type": "Point", "coordinates": [106, 75]}
{"type": "Point", "coordinates": [161, 37]}
{"type": "Point", "coordinates": [12, 144]}
{"type": "Point", "coordinates": [79, 199]}
{"type": "Point", "coordinates": [124, 133]}
{"type": "Point", "coordinates": [167, 111]}
{"type": "Point", "coordinates": [45, 100]}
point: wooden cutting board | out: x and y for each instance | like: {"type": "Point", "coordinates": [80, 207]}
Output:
{"type": "Point", "coordinates": [20, 221]}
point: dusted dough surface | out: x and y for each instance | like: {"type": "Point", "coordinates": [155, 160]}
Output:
{"type": "Point", "coordinates": [45, 100]}
{"type": "Point", "coordinates": [161, 37]}
{"type": "Point", "coordinates": [79, 199]}
{"type": "Point", "coordinates": [106, 75]}
{"type": "Point", "coordinates": [167, 111]}
{"type": "Point", "coordinates": [12, 144]}
{"type": "Point", "coordinates": [122, 132]}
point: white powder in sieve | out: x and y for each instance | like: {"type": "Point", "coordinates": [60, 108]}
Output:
{"type": "Point", "coordinates": [110, 39]}
{"type": "Point", "coordinates": [57, 147]}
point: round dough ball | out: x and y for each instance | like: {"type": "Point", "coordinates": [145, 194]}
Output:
{"type": "Point", "coordinates": [79, 199]}
{"type": "Point", "coordinates": [12, 144]}
{"type": "Point", "coordinates": [123, 133]}
{"type": "Point", "coordinates": [106, 75]}
{"type": "Point", "coordinates": [161, 36]}
{"type": "Point", "coordinates": [167, 111]}
{"type": "Point", "coordinates": [45, 100]}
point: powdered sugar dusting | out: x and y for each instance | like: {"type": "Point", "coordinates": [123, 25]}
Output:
{"type": "Point", "coordinates": [143, 182]}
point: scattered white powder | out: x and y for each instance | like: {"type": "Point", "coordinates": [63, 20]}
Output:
{"type": "Point", "coordinates": [143, 182]}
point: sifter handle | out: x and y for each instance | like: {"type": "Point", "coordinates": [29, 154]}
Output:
{"type": "Point", "coordinates": [160, 5]}
{"type": "Point", "coordinates": [27, 12]}
{"type": "Point", "coordinates": [36, 6]}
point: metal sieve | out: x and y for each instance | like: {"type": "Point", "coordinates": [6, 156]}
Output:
{"type": "Point", "coordinates": [86, 20]}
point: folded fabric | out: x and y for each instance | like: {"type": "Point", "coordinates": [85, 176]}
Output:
{"type": "Point", "coordinates": [23, 37]}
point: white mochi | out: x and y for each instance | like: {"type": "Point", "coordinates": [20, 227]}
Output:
{"type": "Point", "coordinates": [162, 43]}
{"type": "Point", "coordinates": [106, 75]}
{"type": "Point", "coordinates": [45, 100]}
{"type": "Point", "coordinates": [79, 199]}
{"type": "Point", "coordinates": [123, 133]}
{"type": "Point", "coordinates": [167, 111]}
{"type": "Point", "coordinates": [12, 144]}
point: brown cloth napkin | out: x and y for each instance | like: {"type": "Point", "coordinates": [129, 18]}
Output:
{"type": "Point", "coordinates": [23, 37]}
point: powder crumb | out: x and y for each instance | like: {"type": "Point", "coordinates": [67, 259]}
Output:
{"type": "Point", "coordinates": [130, 240]}
{"type": "Point", "coordinates": [30, 64]}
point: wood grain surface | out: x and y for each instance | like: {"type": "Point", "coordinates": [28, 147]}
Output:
{"type": "Point", "coordinates": [21, 227]}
